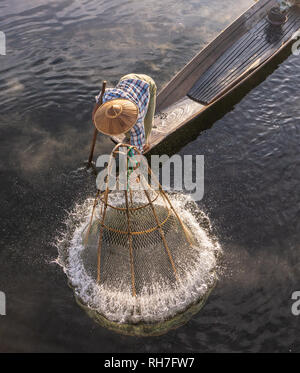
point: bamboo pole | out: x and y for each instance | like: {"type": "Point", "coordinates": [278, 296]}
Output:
{"type": "Point", "coordinates": [100, 237]}
{"type": "Point", "coordinates": [162, 235]}
{"type": "Point", "coordinates": [177, 216]}
{"type": "Point", "coordinates": [130, 245]}
{"type": "Point", "coordinates": [105, 204]}
{"type": "Point", "coordinates": [96, 131]}
{"type": "Point", "coordinates": [166, 198]}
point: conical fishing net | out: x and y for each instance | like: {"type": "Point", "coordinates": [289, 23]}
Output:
{"type": "Point", "coordinates": [155, 250]}
{"type": "Point", "coordinates": [136, 238]}
{"type": "Point", "coordinates": [140, 261]}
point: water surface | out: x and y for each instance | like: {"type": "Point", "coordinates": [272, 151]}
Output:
{"type": "Point", "coordinates": [58, 53]}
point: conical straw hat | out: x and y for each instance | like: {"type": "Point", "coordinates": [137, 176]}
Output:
{"type": "Point", "coordinates": [116, 116]}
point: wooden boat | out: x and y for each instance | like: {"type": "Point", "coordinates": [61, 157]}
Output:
{"type": "Point", "coordinates": [231, 59]}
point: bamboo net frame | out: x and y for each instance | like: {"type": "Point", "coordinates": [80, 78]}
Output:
{"type": "Point", "coordinates": [129, 208]}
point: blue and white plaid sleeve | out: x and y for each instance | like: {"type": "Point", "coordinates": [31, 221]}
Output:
{"type": "Point", "coordinates": [137, 135]}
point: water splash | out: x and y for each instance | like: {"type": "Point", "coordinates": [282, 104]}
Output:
{"type": "Point", "coordinates": [158, 302]}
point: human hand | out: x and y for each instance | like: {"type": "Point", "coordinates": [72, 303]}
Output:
{"type": "Point", "coordinates": [146, 147]}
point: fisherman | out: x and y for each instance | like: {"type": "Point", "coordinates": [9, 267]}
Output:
{"type": "Point", "coordinates": [128, 108]}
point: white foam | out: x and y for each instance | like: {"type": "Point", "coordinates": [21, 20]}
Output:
{"type": "Point", "coordinates": [158, 302]}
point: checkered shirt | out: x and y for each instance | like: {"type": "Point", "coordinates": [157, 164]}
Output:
{"type": "Point", "coordinates": [136, 91]}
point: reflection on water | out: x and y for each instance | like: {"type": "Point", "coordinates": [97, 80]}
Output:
{"type": "Point", "coordinates": [58, 52]}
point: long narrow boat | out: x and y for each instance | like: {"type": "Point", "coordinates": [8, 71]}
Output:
{"type": "Point", "coordinates": [231, 59]}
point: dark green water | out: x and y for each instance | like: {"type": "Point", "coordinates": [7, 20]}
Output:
{"type": "Point", "coordinates": [58, 52]}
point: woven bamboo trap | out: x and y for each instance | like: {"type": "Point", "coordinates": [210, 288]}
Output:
{"type": "Point", "coordinates": [135, 236]}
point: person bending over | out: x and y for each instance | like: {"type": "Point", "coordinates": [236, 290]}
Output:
{"type": "Point", "coordinates": [128, 109]}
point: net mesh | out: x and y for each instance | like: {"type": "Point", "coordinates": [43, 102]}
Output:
{"type": "Point", "coordinates": [151, 260]}
{"type": "Point", "coordinates": [135, 239]}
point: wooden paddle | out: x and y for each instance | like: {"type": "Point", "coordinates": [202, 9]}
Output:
{"type": "Point", "coordinates": [96, 131]}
